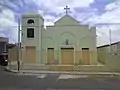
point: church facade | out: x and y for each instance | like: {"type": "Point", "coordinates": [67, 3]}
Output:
{"type": "Point", "coordinates": [65, 43]}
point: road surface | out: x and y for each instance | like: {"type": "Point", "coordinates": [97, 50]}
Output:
{"type": "Point", "coordinates": [10, 81]}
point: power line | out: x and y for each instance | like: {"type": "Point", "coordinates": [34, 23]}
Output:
{"type": "Point", "coordinates": [64, 25]}
{"type": "Point", "coordinates": [107, 24]}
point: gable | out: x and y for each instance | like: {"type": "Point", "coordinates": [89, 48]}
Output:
{"type": "Point", "coordinates": [66, 20]}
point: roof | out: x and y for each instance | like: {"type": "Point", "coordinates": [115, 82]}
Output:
{"type": "Point", "coordinates": [67, 16]}
{"type": "Point", "coordinates": [108, 44]}
{"type": "Point", "coordinates": [32, 14]}
{"type": "Point", "coordinates": [11, 45]}
{"type": "Point", "coordinates": [115, 43]}
{"type": "Point", "coordinates": [4, 39]}
{"type": "Point", "coordinates": [103, 46]}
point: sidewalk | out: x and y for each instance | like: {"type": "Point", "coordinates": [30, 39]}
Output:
{"type": "Point", "coordinates": [65, 72]}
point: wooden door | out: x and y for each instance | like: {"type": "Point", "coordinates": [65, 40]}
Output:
{"type": "Point", "coordinates": [85, 56]}
{"type": "Point", "coordinates": [50, 55]}
{"type": "Point", "coordinates": [30, 54]}
{"type": "Point", "coordinates": [67, 56]}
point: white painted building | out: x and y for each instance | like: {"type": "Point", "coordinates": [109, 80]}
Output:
{"type": "Point", "coordinates": [65, 43]}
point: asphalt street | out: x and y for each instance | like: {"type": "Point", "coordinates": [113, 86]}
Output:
{"type": "Point", "coordinates": [13, 81]}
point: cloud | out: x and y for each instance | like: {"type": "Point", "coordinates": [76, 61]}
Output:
{"type": "Point", "coordinates": [105, 32]}
{"type": "Point", "coordinates": [48, 23]}
{"type": "Point", "coordinates": [10, 11]}
{"type": "Point", "coordinates": [8, 25]}
{"type": "Point", "coordinates": [51, 11]}
{"type": "Point", "coordinates": [7, 14]}
{"type": "Point", "coordinates": [85, 11]}
{"type": "Point", "coordinates": [111, 6]}
{"type": "Point", "coordinates": [2, 35]}
{"type": "Point", "coordinates": [103, 36]}
{"type": "Point", "coordinates": [110, 15]}
{"type": "Point", "coordinates": [57, 6]}
{"type": "Point", "coordinates": [82, 3]}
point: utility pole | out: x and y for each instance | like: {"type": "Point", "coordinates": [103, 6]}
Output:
{"type": "Point", "coordinates": [18, 46]}
{"type": "Point", "coordinates": [110, 41]}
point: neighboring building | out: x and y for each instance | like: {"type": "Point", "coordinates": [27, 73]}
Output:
{"type": "Point", "coordinates": [8, 50]}
{"type": "Point", "coordinates": [3, 46]}
{"type": "Point", "coordinates": [106, 50]}
{"type": "Point", "coordinates": [3, 51]}
{"type": "Point", "coordinates": [12, 53]}
{"type": "Point", "coordinates": [65, 43]}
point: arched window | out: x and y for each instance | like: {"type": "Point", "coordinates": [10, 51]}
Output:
{"type": "Point", "coordinates": [30, 21]}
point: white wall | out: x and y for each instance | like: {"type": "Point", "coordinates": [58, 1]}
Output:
{"type": "Point", "coordinates": [79, 37]}
{"type": "Point", "coordinates": [55, 36]}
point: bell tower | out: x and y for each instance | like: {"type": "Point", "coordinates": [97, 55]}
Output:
{"type": "Point", "coordinates": [32, 24]}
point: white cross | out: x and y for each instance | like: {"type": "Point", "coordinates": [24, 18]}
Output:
{"type": "Point", "coordinates": [67, 8]}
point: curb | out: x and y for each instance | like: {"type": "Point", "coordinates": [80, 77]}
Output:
{"type": "Point", "coordinates": [8, 70]}
{"type": "Point", "coordinates": [71, 73]}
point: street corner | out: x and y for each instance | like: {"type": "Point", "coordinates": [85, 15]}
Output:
{"type": "Point", "coordinates": [11, 71]}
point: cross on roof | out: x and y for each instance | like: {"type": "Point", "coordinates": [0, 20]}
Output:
{"type": "Point", "coordinates": [67, 8]}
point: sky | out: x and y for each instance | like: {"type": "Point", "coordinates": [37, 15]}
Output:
{"type": "Point", "coordinates": [93, 12]}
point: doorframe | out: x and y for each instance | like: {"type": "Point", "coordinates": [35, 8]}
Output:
{"type": "Point", "coordinates": [47, 53]}
{"type": "Point", "coordinates": [26, 53]}
{"type": "Point", "coordinates": [89, 53]}
{"type": "Point", "coordinates": [67, 46]}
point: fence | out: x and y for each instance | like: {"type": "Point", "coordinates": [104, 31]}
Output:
{"type": "Point", "coordinates": [104, 54]}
